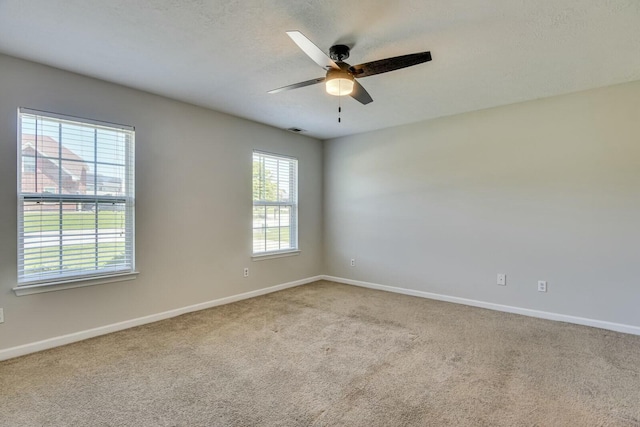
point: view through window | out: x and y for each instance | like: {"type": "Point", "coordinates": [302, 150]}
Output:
{"type": "Point", "coordinates": [275, 203]}
{"type": "Point", "coordinates": [75, 198]}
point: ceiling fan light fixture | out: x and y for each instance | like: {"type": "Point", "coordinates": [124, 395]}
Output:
{"type": "Point", "coordinates": [339, 83]}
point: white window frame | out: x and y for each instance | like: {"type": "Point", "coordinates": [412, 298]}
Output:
{"type": "Point", "coordinates": [59, 279]}
{"type": "Point", "coordinates": [291, 203]}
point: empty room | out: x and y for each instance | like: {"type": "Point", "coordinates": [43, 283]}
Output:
{"type": "Point", "coordinates": [319, 213]}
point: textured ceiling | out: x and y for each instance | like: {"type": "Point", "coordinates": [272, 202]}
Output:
{"type": "Point", "coordinates": [226, 55]}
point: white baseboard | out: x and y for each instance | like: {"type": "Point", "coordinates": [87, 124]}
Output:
{"type": "Point", "coordinates": [102, 330]}
{"type": "Point", "coordinates": [114, 327]}
{"type": "Point", "coordinates": [618, 327]}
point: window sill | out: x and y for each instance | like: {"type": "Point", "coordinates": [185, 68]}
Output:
{"type": "Point", "coordinates": [274, 255]}
{"type": "Point", "coordinates": [72, 283]}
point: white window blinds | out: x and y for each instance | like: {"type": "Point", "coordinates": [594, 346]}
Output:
{"type": "Point", "coordinates": [275, 203]}
{"type": "Point", "coordinates": [75, 198]}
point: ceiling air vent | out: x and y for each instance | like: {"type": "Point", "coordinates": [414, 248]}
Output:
{"type": "Point", "coordinates": [296, 130]}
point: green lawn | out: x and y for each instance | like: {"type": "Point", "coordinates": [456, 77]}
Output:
{"type": "Point", "coordinates": [74, 257]}
{"type": "Point", "coordinates": [273, 234]}
{"type": "Point", "coordinates": [50, 221]}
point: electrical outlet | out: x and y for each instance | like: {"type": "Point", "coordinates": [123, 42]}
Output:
{"type": "Point", "coordinates": [246, 272]}
{"type": "Point", "coordinates": [542, 286]}
{"type": "Point", "coordinates": [502, 279]}
{"type": "Point", "coordinates": [1, 315]}
{"type": "Point", "coordinates": [353, 262]}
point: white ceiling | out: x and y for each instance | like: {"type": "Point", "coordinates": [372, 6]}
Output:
{"type": "Point", "coordinates": [226, 55]}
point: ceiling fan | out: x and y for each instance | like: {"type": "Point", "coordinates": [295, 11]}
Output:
{"type": "Point", "coordinates": [340, 77]}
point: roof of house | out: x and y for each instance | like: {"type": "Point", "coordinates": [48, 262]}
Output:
{"type": "Point", "coordinates": [48, 147]}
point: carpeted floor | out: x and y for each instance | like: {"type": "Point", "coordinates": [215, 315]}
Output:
{"type": "Point", "coordinates": [327, 354]}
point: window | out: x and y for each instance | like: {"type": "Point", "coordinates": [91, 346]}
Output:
{"type": "Point", "coordinates": [28, 164]}
{"type": "Point", "coordinates": [275, 204]}
{"type": "Point", "coordinates": [75, 199]}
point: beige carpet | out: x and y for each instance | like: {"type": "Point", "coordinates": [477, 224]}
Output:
{"type": "Point", "coordinates": [326, 354]}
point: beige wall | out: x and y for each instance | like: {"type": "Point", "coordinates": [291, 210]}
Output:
{"type": "Point", "coordinates": [193, 206]}
{"type": "Point", "coordinates": [543, 190]}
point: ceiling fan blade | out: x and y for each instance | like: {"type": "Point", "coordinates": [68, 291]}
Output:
{"type": "Point", "coordinates": [360, 94]}
{"type": "Point", "coordinates": [389, 64]}
{"type": "Point", "coordinates": [312, 51]}
{"type": "Point", "coordinates": [297, 85]}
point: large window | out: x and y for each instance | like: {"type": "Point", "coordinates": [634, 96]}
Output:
{"type": "Point", "coordinates": [275, 204]}
{"type": "Point", "coordinates": [75, 198]}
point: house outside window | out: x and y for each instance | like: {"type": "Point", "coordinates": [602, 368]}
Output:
{"type": "Point", "coordinates": [69, 228]}
{"type": "Point", "coordinates": [275, 204]}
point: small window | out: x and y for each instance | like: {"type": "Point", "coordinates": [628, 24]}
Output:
{"type": "Point", "coordinates": [68, 229]}
{"type": "Point", "coordinates": [28, 164]}
{"type": "Point", "coordinates": [275, 203]}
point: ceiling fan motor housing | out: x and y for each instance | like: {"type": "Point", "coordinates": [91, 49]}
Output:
{"type": "Point", "coordinates": [339, 74]}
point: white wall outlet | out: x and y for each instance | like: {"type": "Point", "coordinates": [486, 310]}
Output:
{"type": "Point", "coordinates": [246, 272]}
{"type": "Point", "coordinates": [1, 315]}
{"type": "Point", "coordinates": [353, 262]}
{"type": "Point", "coordinates": [542, 286]}
{"type": "Point", "coordinates": [502, 279]}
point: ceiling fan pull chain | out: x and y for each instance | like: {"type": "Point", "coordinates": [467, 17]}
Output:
{"type": "Point", "coordinates": [339, 109]}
